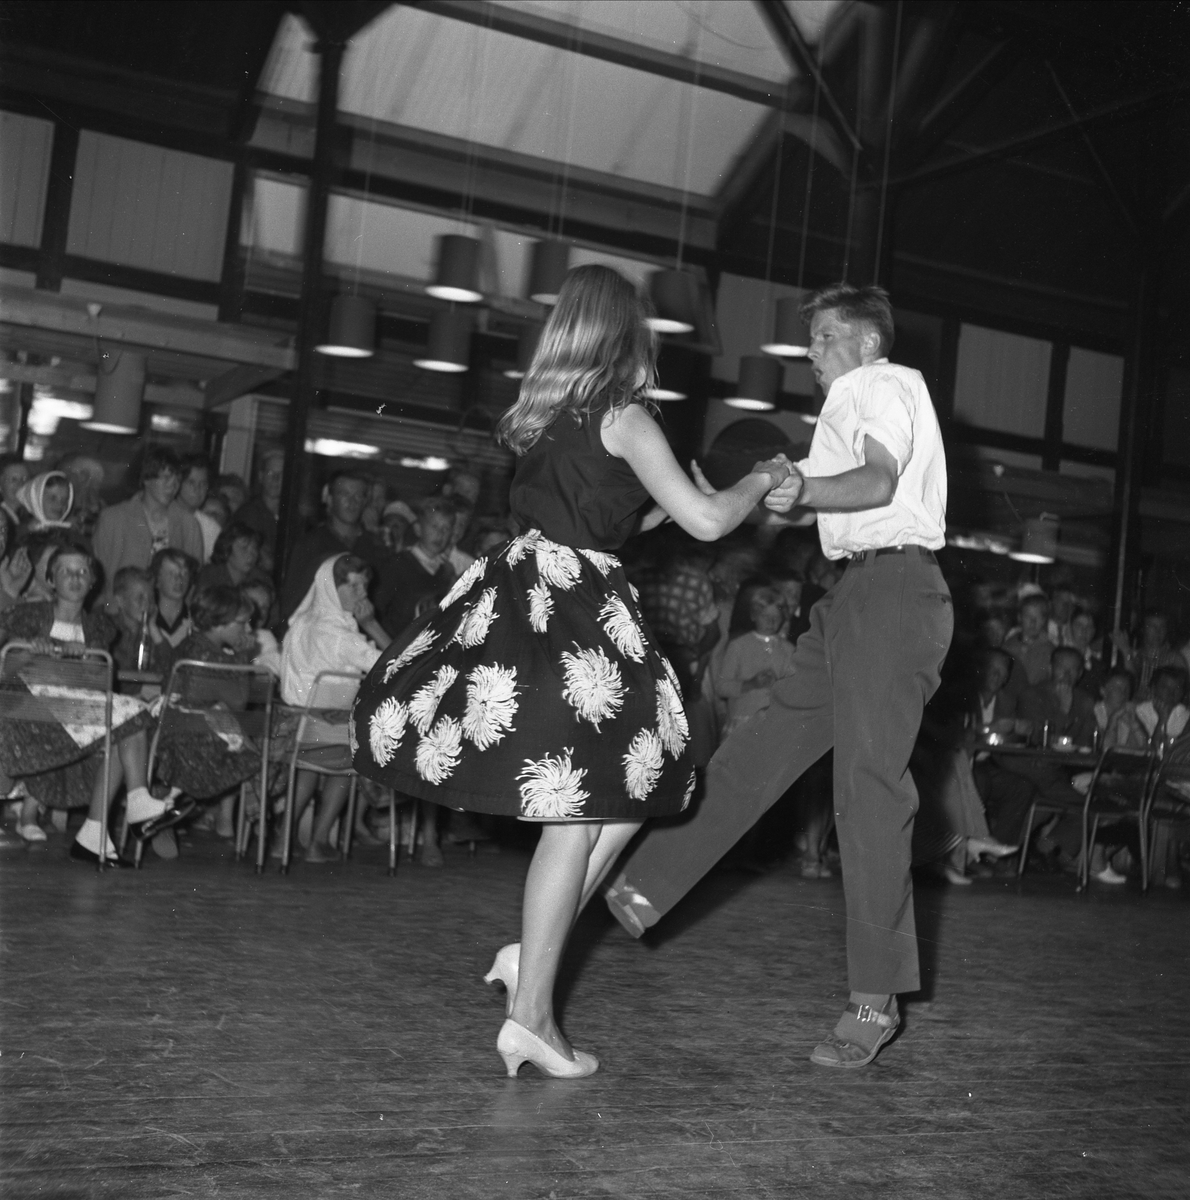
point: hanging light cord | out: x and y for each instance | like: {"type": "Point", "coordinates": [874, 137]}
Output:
{"type": "Point", "coordinates": [687, 113]}
{"type": "Point", "coordinates": [801, 260]}
{"type": "Point", "coordinates": [892, 96]}
{"type": "Point", "coordinates": [363, 220]}
{"type": "Point", "coordinates": [768, 264]}
{"type": "Point", "coordinates": [564, 176]}
{"type": "Point", "coordinates": [850, 212]}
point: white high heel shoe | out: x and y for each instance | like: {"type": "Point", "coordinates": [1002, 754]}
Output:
{"type": "Point", "coordinates": [506, 968]}
{"type": "Point", "coordinates": [517, 1046]}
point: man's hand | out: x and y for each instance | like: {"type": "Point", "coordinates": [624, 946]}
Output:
{"type": "Point", "coordinates": [786, 495]}
{"type": "Point", "coordinates": [700, 480]}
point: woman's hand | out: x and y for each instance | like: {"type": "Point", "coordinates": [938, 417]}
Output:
{"type": "Point", "coordinates": [364, 610]}
{"type": "Point", "coordinates": [46, 645]}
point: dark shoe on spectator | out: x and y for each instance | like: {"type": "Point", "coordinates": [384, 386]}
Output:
{"type": "Point", "coordinates": [82, 854]}
{"type": "Point", "coordinates": [165, 844]}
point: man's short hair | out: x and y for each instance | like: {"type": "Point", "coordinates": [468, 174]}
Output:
{"type": "Point", "coordinates": [159, 460]}
{"type": "Point", "coordinates": [188, 462]}
{"type": "Point", "coordinates": [868, 305]}
{"type": "Point", "coordinates": [354, 474]}
{"type": "Point", "coordinates": [1070, 652]}
{"type": "Point", "coordinates": [437, 504]}
{"type": "Point", "coordinates": [187, 562]}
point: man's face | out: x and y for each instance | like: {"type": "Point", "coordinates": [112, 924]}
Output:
{"type": "Point", "coordinates": [1065, 669]}
{"type": "Point", "coordinates": [194, 488]}
{"type": "Point", "coordinates": [163, 488]}
{"type": "Point", "coordinates": [836, 347]}
{"type": "Point", "coordinates": [434, 531]}
{"type": "Point", "coordinates": [135, 601]}
{"type": "Point", "coordinates": [348, 497]}
{"type": "Point", "coordinates": [1166, 693]}
{"type": "Point", "coordinates": [1063, 605]}
{"type": "Point", "coordinates": [1032, 621]}
{"type": "Point", "coordinates": [272, 475]}
{"type": "Point", "coordinates": [173, 580]}
{"type": "Point", "coordinates": [12, 479]}
{"type": "Point", "coordinates": [1116, 693]}
{"type": "Point", "coordinates": [995, 675]}
{"type": "Point", "coordinates": [1082, 630]}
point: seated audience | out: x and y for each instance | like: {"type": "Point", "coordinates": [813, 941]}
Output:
{"type": "Point", "coordinates": [268, 651]}
{"type": "Point", "coordinates": [56, 770]}
{"type": "Point", "coordinates": [131, 608]}
{"type": "Point", "coordinates": [46, 500]}
{"type": "Point", "coordinates": [129, 534]}
{"type": "Point", "coordinates": [1153, 652]}
{"type": "Point", "coordinates": [1115, 714]}
{"type": "Point", "coordinates": [1164, 714]}
{"type": "Point", "coordinates": [395, 523]}
{"type": "Point", "coordinates": [86, 478]}
{"type": "Point", "coordinates": [173, 573]}
{"type": "Point", "coordinates": [1081, 636]}
{"type": "Point", "coordinates": [329, 631]}
{"type": "Point", "coordinates": [192, 495]}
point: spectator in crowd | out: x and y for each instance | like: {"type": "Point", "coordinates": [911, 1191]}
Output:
{"type": "Point", "coordinates": [260, 512]}
{"type": "Point", "coordinates": [422, 574]}
{"type": "Point", "coordinates": [263, 597]}
{"type": "Point", "coordinates": [235, 560]}
{"type": "Point", "coordinates": [129, 534]}
{"type": "Point", "coordinates": [1029, 644]}
{"type": "Point", "coordinates": [173, 573]}
{"type": "Point", "coordinates": [333, 629]}
{"type": "Point", "coordinates": [1081, 636]}
{"type": "Point", "coordinates": [1164, 714]}
{"type": "Point", "coordinates": [14, 474]}
{"type": "Point", "coordinates": [86, 477]}
{"type": "Point", "coordinates": [1153, 652]}
{"type": "Point", "coordinates": [458, 558]}
{"type": "Point", "coordinates": [1062, 608]}
{"type": "Point", "coordinates": [45, 502]}
{"type": "Point", "coordinates": [131, 609]}
{"type": "Point", "coordinates": [790, 586]}
{"type": "Point", "coordinates": [396, 520]}
{"type": "Point", "coordinates": [373, 512]}
{"type": "Point", "coordinates": [463, 485]}
{"type": "Point", "coordinates": [233, 490]}
{"type": "Point", "coordinates": [216, 508]}
{"type": "Point", "coordinates": [993, 630]}
{"type": "Point", "coordinates": [756, 659]}
{"type": "Point", "coordinates": [341, 533]}
{"type": "Point", "coordinates": [192, 494]}
{"type": "Point", "coordinates": [1115, 714]}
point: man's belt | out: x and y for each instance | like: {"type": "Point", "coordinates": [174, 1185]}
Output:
{"type": "Point", "coordinates": [921, 552]}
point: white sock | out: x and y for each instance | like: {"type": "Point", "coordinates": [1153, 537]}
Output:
{"type": "Point", "coordinates": [90, 836]}
{"type": "Point", "coordinates": [142, 807]}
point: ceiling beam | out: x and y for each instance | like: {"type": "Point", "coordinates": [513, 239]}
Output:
{"type": "Point", "coordinates": [801, 56]}
{"type": "Point", "coordinates": [565, 36]}
{"type": "Point", "coordinates": [237, 382]}
{"type": "Point", "coordinates": [180, 394]}
{"type": "Point", "coordinates": [1128, 107]}
{"type": "Point", "coordinates": [48, 312]}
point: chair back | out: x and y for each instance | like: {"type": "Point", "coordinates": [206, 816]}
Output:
{"type": "Point", "coordinates": [324, 718]}
{"type": "Point", "coordinates": [71, 690]}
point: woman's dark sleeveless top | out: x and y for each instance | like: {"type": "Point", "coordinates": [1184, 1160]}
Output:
{"type": "Point", "coordinates": [574, 491]}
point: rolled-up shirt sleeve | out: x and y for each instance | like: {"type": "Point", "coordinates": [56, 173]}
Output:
{"type": "Point", "coordinates": [885, 413]}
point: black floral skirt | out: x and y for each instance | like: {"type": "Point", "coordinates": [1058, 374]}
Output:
{"type": "Point", "coordinates": [535, 690]}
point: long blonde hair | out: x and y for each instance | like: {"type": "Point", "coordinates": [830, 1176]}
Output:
{"type": "Point", "coordinates": [596, 349]}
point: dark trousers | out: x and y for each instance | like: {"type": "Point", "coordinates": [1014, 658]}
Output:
{"type": "Point", "coordinates": [864, 671]}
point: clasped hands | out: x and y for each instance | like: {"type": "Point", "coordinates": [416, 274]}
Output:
{"type": "Point", "coordinates": [788, 484]}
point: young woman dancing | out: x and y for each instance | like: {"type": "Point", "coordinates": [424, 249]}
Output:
{"type": "Point", "coordinates": [535, 689]}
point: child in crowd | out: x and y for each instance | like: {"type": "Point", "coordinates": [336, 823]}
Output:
{"type": "Point", "coordinates": [1115, 714]}
{"type": "Point", "coordinates": [131, 607]}
{"type": "Point", "coordinates": [1164, 714]}
{"type": "Point", "coordinates": [268, 652]}
{"type": "Point", "coordinates": [755, 660]}
{"type": "Point", "coordinates": [173, 572]}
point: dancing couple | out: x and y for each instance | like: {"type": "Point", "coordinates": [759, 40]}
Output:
{"type": "Point", "coordinates": [536, 689]}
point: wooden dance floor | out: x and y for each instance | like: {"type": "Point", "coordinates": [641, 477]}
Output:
{"type": "Point", "coordinates": [196, 1031]}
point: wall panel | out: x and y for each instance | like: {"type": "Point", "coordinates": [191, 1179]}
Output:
{"type": "Point", "coordinates": [145, 206]}
{"type": "Point", "coordinates": [1091, 412]}
{"type": "Point", "coordinates": [25, 145]}
{"type": "Point", "coordinates": [1002, 381]}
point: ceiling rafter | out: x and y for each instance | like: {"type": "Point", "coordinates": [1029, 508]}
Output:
{"type": "Point", "coordinates": [563, 36]}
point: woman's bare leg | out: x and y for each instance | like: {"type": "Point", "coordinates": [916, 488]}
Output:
{"type": "Point", "coordinates": [134, 758]}
{"type": "Point", "coordinates": [553, 889]}
{"type": "Point", "coordinates": [613, 837]}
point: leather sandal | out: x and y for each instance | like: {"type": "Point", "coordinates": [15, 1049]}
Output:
{"type": "Point", "coordinates": [834, 1051]}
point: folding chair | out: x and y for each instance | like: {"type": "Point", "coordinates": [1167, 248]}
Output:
{"type": "Point", "coordinates": [1120, 786]}
{"type": "Point", "coordinates": [196, 688]}
{"type": "Point", "coordinates": [45, 689]}
{"type": "Point", "coordinates": [1167, 805]}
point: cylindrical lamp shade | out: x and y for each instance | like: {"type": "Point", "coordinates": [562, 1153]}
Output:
{"type": "Point", "coordinates": [526, 347]}
{"type": "Point", "coordinates": [675, 299]}
{"type": "Point", "coordinates": [457, 277]}
{"type": "Point", "coordinates": [449, 346]}
{"type": "Point", "coordinates": [791, 338]}
{"type": "Point", "coordinates": [1039, 542]}
{"type": "Point", "coordinates": [759, 383]}
{"type": "Point", "coordinates": [351, 331]}
{"type": "Point", "coordinates": [119, 389]}
{"type": "Point", "coordinates": [548, 265]}
{"type": "Point", "coordinates": [676, 369]}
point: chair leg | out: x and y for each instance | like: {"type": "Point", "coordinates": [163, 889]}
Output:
{"type": "Point", "coordinates": [1020, 866]}
{"type": "Point", "coordinates": [415, 812]}
{"type": "Point", "coordinates": [392, 834]}
{"type": "Point", "coordinates": [348, 820]}
{"type": "Point", "coordinates": [242, 824]}
{"type": "Point", "coordinates": [287, 824]}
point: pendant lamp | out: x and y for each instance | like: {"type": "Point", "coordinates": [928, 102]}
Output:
{"type": "Point", "coordinates": [675, 299]}
{"type": "Point", "coordinates": [457, 277]}
{"type": "Point", "coordinates": [1039, 542]}
{"type": "Point", "coordinates": [675, 374]}
{"type": "Point", "coordinates": [449, 346]}
{"type": "Point", "coordinates": [759, 383]}
{"type": "Point", "coordinates": [548, 264]}
{"type": "Point", "coordinates": [119, 389]}
{"type": "Point", "coordinates": [351, 330]}
{"type": "Point", "coordinates": [791, 338]}
{"type": "Point", "coordinates": [525, 348]}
